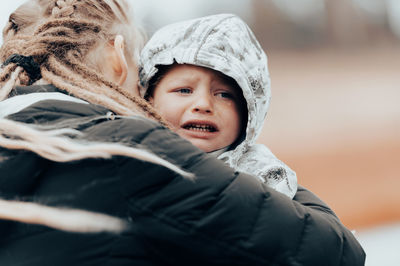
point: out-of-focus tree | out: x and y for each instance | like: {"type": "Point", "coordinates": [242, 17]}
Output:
{"type": "Point", "coordinates": [393, 11]}
{"type": "Point", "coordinates": [290, 23]}
{"type": "Point", "coordinates": [358, 22]}
{"type": "Point", "coordinates": [339, 23]}
{"type": "Point", "coordinates": [154, 14]}
{"type": "Point", "coordinates": [278, 27]}
{"type": "Point", "coordinates": [345, 26]}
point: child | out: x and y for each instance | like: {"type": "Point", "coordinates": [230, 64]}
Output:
{"type": "Point", "coordinates": [208, 77]}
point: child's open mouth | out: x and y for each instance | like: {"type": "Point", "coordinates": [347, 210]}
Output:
{"type": "Point", "coordinates": [200, 127]}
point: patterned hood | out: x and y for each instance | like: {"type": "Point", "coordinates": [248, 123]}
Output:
{"type": "Point", "coordinates": [226, 44]}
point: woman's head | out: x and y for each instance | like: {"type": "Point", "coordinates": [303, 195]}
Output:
{"type": "Point", "coordinates": [85, 47]}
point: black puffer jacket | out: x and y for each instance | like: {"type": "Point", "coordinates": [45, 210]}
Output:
{"type": "Point", "coordinates": [221, 218]}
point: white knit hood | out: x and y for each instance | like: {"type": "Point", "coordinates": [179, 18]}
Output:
{"type": "Point", "coordinates": [226, 44]}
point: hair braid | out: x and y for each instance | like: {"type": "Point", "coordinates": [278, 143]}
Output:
{"type": "Point", "coordinates": [61, 44]}
{"type": "Point", "coordinates": [63, 8]}
{"type": "Point", "coordinates": [77, 85]}
{"type": "Point", "coordinates": [10, 84]}
{"type": "Point", "coordinates": [137, 101]}
{"type": "Point", "coordinates": [87, 95]}
{"type": "Point", "coordinates": [5, 74]}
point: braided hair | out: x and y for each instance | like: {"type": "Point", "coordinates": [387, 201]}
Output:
{"type": "Point", "coordinates": [63, 38]}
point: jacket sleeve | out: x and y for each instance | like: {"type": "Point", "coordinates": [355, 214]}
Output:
{"type": "Point", "coordinates": [259, 161]}
{"type": "Point", "coordinates": [348, 250]}
{"type": "Point", "coordinates": [223, 217]}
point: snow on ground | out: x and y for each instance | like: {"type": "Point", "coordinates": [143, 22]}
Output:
{"type": "Point", "coordinates": [381, 244]}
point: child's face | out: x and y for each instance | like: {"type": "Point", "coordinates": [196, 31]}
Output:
{"type": "Point", "coordinates": [201, 105]}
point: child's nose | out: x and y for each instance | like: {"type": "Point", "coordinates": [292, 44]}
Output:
{"type": "Point", "coordinates": [203, 104]}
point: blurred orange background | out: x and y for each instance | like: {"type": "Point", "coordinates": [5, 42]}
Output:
{"type": "Point", "coordinates": [335, 120]}
{"type": "Point", "coordinates": [334, 115]}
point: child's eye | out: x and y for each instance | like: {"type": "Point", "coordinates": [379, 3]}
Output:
{"type": "Point", "coordinates": [184, 90]}
{"type": "Point", "coordinates": [223, 94]}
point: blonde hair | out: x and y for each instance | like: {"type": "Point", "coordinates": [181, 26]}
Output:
{"type": "Point", "coordinates": [71, 220]}
{"type": "Point", "coordinates": [64, 38]}
{"type": "Point", "coordinates": [66, 43]}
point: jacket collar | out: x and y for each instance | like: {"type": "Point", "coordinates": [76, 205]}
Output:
{"type": "Point", "coordinates": [24, 96]}
{"type": "Point", "coordinates": [20, 90]}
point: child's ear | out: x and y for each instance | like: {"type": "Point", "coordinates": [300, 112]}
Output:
{"type": "Point", "coordinates": [117, 58]}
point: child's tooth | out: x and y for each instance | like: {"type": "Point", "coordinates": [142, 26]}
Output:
{"type": "Point", "coordinates": [200, 127]}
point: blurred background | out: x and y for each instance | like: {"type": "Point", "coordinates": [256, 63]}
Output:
{"type": "Point", "coordinates": [334, 116]}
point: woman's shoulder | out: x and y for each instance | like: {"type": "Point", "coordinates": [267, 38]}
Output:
{"type": "Point", "coordinates": [46, 104]}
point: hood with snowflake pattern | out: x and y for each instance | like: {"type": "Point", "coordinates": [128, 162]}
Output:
{"type": "Point", "coordinates": [225, 43]}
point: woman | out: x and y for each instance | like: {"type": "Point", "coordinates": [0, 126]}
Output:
{"type": "Point", "coordinates": [88, 179]}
